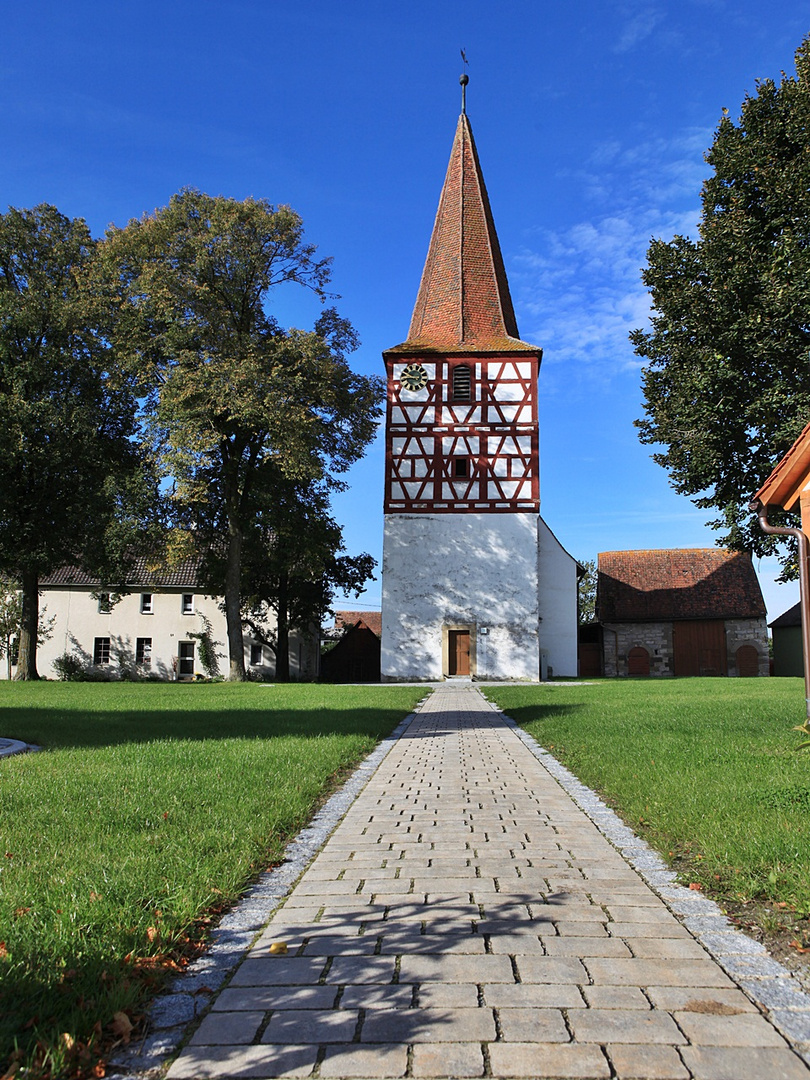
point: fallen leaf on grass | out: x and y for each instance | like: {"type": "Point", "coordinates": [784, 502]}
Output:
{"type": "Point", "coordinates": [696, 886]}
{"type": "Point", "coordinates": [67, 1040]}
{"type": "Point", "coordinates": [799, 947]}
{"type": "Point", "coordinates": [121, 1026]}
{"type": "Point", "coordinates": [152, 933]}
{"type": "Point", "coordinates": [3, 951]}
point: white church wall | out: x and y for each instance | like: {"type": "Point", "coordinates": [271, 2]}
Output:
{"type": "Point", "coordinates": [473, 570]}
{"type": "Point", "coordinates": [557, 577]}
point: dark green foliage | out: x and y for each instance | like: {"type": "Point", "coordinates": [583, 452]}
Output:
{"type": "Point", "coordinates": [727, 383]}
{"type": "Point", "coordinates": [233, 401]}
{"type": "Point", "coordinates": [74, 481]}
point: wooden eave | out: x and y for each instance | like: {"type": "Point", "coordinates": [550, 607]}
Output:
{"type": "Point", "coordinates": [790, 477]}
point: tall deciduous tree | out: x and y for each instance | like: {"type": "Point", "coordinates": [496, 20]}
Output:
{"type": "Point", "coordinates": [727, 383]}
{"type": "Point", "coordinates": [67, 420]}
{"type": "Point", "coordinates": [587, 593]}
{"type": "Point", "coordinates": [228, 391]}
{"type": "Point", "coordinates": [295, 564]}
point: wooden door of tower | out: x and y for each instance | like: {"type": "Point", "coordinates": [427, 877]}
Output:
{"type": "Point", "coordinates": [458, 652]}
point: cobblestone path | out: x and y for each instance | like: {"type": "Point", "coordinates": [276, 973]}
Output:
{"type": "Point", "coordinates": [467, 919]}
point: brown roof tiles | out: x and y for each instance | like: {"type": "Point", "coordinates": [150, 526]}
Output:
{"type": "Point", "coordinates": [371, 619]}
{"type": "Point", "coordinates": [464, 301]}
{"type": "Point", "coordinates": [683, 583]}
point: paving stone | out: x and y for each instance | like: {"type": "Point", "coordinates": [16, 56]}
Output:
{"type": "Point", "coordinates": [436, 995]}
{"type": "Point", "coordinates": [364, 1061]}
{"type": "Point", "coordinates": [635, 972]}
{"type": "Point", "coordinates": [361, 969]}
{"type": "Point", "coordinates": [228, 1028]}
{"type": "Point", "coordinates": [647, 1063]}
{"type": "Point", "coordinates": [316, 1026]}
{"type": "Point", "coordinates": [624, 1026]}
{"type": "Point", "coordinates": [657, 948]}
{"type": "Point", "coordinates": [711, 1000]}
{"type": "Point", "coordinates": [448, 1059]}
{"type": "Point", "coordinates": [278, 971]}
{"type": "Point", "coordinates": [534, 995]}
{"type": "Point", "coordinates": [551, 969]}
{"type": "Point", "coordinates": [586, 946]}
{"type": "Point", "coordinates": [428, 1025]}
{"type": "Point", "coordinates": [535, 1025]}
{"type": "Point", "coordinates": [559, 1060]}
{"type": "Point", "coordinates": [275, 997]}
{"type": "Point", "coordinates": [375, 997]}
{"type": "Point", "coordinates": [455, 968]}
{"type": "Point", "coordinates": [243, 1062]}
{"type": "Point", "coordinates": [615, 997]}
{"type": "Point", "coordinates": [746, 1029]}
{"type": "Point", "coordinates": [743, 1063]}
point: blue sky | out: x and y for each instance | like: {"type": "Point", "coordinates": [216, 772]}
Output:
{"type": "Point", "coordinates": [591, 121]}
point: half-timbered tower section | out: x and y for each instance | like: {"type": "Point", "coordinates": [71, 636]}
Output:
{"type": "Point", "coordinates": [474, 582]}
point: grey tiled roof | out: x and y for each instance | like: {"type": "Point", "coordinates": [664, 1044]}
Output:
{"type": "Point", "coordinates": [143, 573]}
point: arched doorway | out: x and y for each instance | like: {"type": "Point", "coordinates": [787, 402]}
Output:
{"type": "Point", "coordinates": [638, 661]}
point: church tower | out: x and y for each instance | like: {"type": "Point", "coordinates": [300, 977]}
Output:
{"type": "Point", "coordinates": [474, 583]}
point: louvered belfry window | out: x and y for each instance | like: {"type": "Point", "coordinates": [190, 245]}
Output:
{"type": "Point", "coordinates": [462, 383]}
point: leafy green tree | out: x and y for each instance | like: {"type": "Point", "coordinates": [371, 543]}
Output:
{"type": "Point", "coordinates": [726, 385]}
{"type": "Point", "coordinates": [587, 593]}
{"type": "Point", "coordinates": [294, 566]}
{"type": "Point", "coordinates": [67, 421]}
{"type": "Point", "coordinates": [229, 394]}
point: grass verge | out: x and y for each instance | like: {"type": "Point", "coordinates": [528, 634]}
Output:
{"type": "Point", "coordinates": [705, 770]}
{"type": "Point", "coordinates": [151, 808]}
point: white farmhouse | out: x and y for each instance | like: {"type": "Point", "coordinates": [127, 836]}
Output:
{"type": "Point", "coordinates": [154, 628]}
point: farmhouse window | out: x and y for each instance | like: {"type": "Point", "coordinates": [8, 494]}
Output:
{"type": "Point", "coordinates": [461, 466]}
{"type": "Point", "coordinates": [188, 603]}
{"type": "Point", "coordinates": [256, 656]}
{"type": "Point", "coordinates": [143, 651]}
{"type": "Point", "coordinates": [104, 605]}
{"type": "Point", "coordinates": [101, 650]}
{"type": "Point", "coordinates": [146, 603]}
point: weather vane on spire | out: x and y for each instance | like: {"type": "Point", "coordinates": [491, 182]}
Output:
{"type": "Point", "coordinates": [465, 78]}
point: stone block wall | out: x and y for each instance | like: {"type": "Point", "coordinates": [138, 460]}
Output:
{"type": "Point", "coordinates": [747, 632]}
{"type": "Point", "coordinates": [656, 637]}
{"type": "Point", "coordinates": [619, 638]}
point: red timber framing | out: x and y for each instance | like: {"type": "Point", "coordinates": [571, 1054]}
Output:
{"type": "Point", "coordinates": [443, 455]}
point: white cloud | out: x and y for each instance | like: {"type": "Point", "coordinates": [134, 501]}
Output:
{"type": "Point", "coordinates": [578, 288]}
{"type": "Point", "coordinates": [638, 27]}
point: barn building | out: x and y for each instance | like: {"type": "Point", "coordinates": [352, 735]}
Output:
{"type": "Point", "coordinates": [474, 583]}
{"type": "Point", "coordinates": [681, 611]}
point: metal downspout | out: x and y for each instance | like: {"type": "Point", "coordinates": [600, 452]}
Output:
{"type": "Point", "coordinates": [804, 587]}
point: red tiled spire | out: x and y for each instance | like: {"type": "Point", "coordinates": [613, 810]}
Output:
{"type": "Point", "coordinates": [464, 300]}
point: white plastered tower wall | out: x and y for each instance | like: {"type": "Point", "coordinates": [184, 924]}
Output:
{"type": "Point", "coordinates": [557, 588]}
{"type": "Point", "coordinates": [481, 575]}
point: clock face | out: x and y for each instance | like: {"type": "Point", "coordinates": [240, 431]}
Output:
{"type": "Point", "coordinates": [414, 377]}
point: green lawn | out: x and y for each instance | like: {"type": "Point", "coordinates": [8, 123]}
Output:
{"type": "Point", "coordinates": [705, 769]}
{"type": "Point", "coordinates": [152, 805]}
